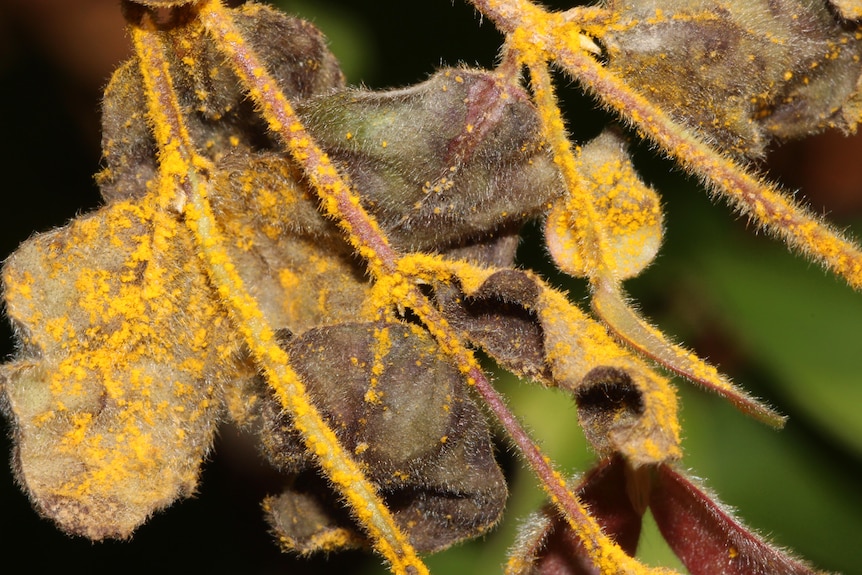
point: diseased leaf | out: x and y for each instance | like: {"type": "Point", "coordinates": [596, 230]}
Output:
{"type": "Point", "coordinates": [500, 317]}
{"type": "Point", "coordinates": [303, 275]}
{"type": "Point", "coordinates": [441, 164]}
{"type": "Point", "coordinates": [608, 230]}
{"type": "Point", "coordinates": [314, 262]}
{"type": "Point", "coordinates": [396, 403]}
{"type": "Point", "coordinates": [625, 211]}
{"type": "Point", "coordinates": [515, 318]}
{"type": "Point", "coordinates": [741, 73]}
{"type": "Point", "coordinates": [300, 269]}
{"type": "Point", "coordinates": [220, 119]}
{"type": "Point", "coordinates": [114, 391]}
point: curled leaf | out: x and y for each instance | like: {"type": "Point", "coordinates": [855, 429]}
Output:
{"type": "Point", "coordinates": [741, 73]}
{"type": "Point", "coordinates": [535, 331]}
{"type": "Point", "coordinates": [123, 349]}
{"type": "Point", "coordinates": [131, 318]}
{"type": "Point", "coordinates": [626, 214]}
{"type": "Point", "coordinates": [221, 120]}
{"type": "Point", "coordinates": [134, 258]}
{"type": "Point", "coordinates": [442, 163]}
{"type": "Point", "coordinates": [610, 305]}
{"type": "Point", "coordinates": [617, 240]}
{"type": "Point", "coordinates": [396, 403]}
{"type": "Point", "coordinates": [546, 543]}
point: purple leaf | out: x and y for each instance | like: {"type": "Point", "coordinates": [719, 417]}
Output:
{"type": "Point", "coordinates": [707, 537]}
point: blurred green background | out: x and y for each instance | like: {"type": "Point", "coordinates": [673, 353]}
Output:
{"type": "Point", "coordinates": [781, 327]}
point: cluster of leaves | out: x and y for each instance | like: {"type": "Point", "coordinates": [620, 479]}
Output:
{"type": "Point", "coordinates": [314, 263]}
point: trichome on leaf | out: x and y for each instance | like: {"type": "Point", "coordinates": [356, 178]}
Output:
{"type": "Point", "coordinates": [316, 263]}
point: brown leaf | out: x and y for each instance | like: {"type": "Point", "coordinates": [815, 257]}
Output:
{"type": "Point", "coordinates": [221, 120]}
{"type": "Point", "coordinates": [547, 544]}
{"type": "Point", "coordinates": [742, 72]}
{"type": "Point", "coordinates": [443, 163]}
{"type": "Point", "coordinates": [498, 317]}
{"type": "Point", "coordinates": [397, 404]}
{"type": "Point", "coordinates": [296, 263]}
{"type": "Point", "coordinates": [535, 332]}
{"type": "Point", "coordinates": [114, 389]}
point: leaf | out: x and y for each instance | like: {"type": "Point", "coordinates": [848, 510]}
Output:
{"type": "Point", "coordinates": [741, 73]}
{"type": "Point", "coordinates": [441, 164]}
{"type": "Point", "coordinates": [609, 229]}
{"type": "Point", "coordinates": [627, 215]}
{"type": "Point", "coordinates": [708, 538]}
{"type": "Point", "coordinates": [213, 241]}
{"type": "Point", "coordinates": [400, 407]}
{"type": "Point", "coordinates": [220, 119]}
{"type": "Point", "coordinates": [547, 545]}
{"type": "Point", "coordinates": [114, 391]}
{"type": "Point", "coordinates": [302, 273]}
{"type": "Point", "coordinates": [535, 332]}
{"type": "Point", "coordinates": [301, 270]}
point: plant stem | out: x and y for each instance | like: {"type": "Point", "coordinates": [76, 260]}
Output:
{"type": "Point", "coordinates": [181, 166]}
{"type": "Point", "coordinates": [340, 203]}
{"type": "Point", "coordinates": [552, 36]}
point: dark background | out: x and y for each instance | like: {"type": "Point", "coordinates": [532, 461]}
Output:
{"type": "Point", "coordinates": [781, 327]}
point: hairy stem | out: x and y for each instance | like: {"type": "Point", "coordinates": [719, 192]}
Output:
{"type": "Point", "coordinates": [797, 226]}
{"type": "Point", "coordinates": [340, 203]}
{"type": "Point", "coordinates": [552, 36]}
{"type": "Point", "coordinates": [337, 200]}
{"type": "Point", "coordinates": [609, 304]}
{"type": "Point", "coordinates": [603, 551]}
{"type": "Point", "coordinates": [180, 165]}
{"type": "Point", "coordinates": [607, 298]}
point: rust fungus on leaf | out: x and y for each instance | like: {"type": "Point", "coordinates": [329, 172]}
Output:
{"type": "Point", "coordinates": [317, 264]}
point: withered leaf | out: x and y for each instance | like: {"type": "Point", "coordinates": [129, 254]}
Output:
{"type": "Point", "coordinates": [627, 222]}
{"type": "Point", "coordinates": [608, 230]}
{"type": "Point", "coordinates": [122, 350]}
{"type": "Point", "coordinates": [128, 359]}
{"type": "Point", "coordinates": [498, 317]}
{"type": "Point", "coordinates": [399, 405]}
{"type": "Point", "coordinates": [533, 331]}
{"type": "Point", "coordinates": [442, 163]}
{"type": "Point", "coordinates": [219, 117]}
{"type": "Point", "coordinates": [742, 72]}
{"type": "Point", "coordinates": [296, 264]}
